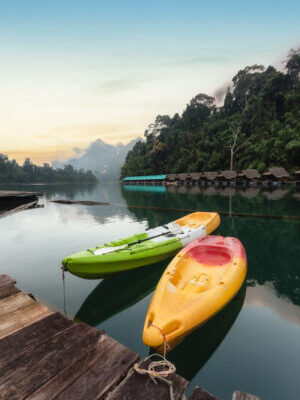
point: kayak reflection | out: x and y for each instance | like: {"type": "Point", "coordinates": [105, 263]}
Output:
{"type": "Point", "coordinates": [129, 287]}
{"type": "Point", "coordinates": [197, 348]}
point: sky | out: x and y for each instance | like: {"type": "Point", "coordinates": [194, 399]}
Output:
{"type": "Point", "coordinates": [74, 71]}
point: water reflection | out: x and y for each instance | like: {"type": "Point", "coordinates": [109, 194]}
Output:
{"type": "Point", "coordinates": [145, 188]}
{"type": "Point", "coordinates": [119, 292]}
{"type": "Point", "coordinates": [259, 353]}
{"type": "Point", "coordinates": [200, 345]}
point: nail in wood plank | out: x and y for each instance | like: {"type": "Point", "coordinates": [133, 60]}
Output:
{"type": "Point", "coordinates": [22, 317]}
{"type": "Point", "coordinates": [92, 376]}
{"type": "Point", "coordinates": [26, 340]}
{"type": "Point", "coordinates": [201, 394]}
{"type": "Point", "coordinates": [28, 373]}
{"type": "Point", "coordinates": [237, 395]}
{"type": "Point", "coordinates": [136, 386]}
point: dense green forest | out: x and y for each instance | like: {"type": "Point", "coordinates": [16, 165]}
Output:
{"type": "Point", "coordinates": [258, 126]}
{"type": "Point", "coordinates": [12, 172]}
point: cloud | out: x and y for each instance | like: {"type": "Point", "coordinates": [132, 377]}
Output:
{"type": "Point", "coordinates": [78, 151]}
{"type": "Point", "coordinates": [113, 86]}
{"type": "Point", "coordinates": [220, 93]}
{"type": "Point", "coordinates": [265, 296]}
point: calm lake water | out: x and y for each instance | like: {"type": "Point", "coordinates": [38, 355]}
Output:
{"type": "Point", "coordinates": [252, 345]}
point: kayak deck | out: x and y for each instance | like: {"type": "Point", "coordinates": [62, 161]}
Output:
{"type": "Point", "coordinates": [198, 283]}
{"type": "Point", "coordinates": [144, 248]}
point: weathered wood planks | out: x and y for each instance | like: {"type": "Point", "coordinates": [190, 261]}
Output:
{"type": "Point", "coordinates": [22, 207]}
{"type": "Point", "coordinates": [14, 302]}
{"type": "Point", "coordinates": [136, 386]}
{"type": "Point", "coordinates": [237, 395]}
{"type": "Point", "coordinates": [14, 194]}
{"type": "Point", "coordinates": [201, 394]}
{"type": "Point", "coordinates": [6, 280]}
{"type": "Point", "coordinates": [46, 356]}
{"type": "Point", "coordinates": [18, 319]}
{"type": "Point", "coordinates": [8, 290]}
{"type": "Point", "coordinates": [92, 376]}
{"type": "Point", "coordinates": [31, 371]}
{"type": "Point", "coordinates": [26, 340]}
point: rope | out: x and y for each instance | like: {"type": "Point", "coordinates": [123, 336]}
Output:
{"type": "Point", "coordinates": [64, 288]}
{"type": "Point", "coordinates": [155, 370]}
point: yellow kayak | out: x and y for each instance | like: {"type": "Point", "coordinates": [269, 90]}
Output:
{"type": "Point", "coordinates": [200, 280]}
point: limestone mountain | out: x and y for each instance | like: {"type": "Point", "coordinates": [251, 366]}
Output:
{"type": "Point", "coordinates": [104, 160]}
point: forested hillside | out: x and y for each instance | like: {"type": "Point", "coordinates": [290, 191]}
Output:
{"type": "Point", "coordinates": [12, 172]}
{"type": "Point", "coordinates": [258, 126]}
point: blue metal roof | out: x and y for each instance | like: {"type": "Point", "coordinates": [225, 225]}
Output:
{"type": "Point", "coordinates": [145, 178]}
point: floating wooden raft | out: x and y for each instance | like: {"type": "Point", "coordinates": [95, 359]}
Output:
{"type": "Point", "coordinates": [45, 356]}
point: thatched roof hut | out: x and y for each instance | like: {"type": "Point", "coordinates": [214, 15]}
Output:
{"type": "Point", "coordinates": [249, 174]}
{"type": "Point", "coordinates": [196, 176]}
{"type": "Point", "coordinates": [227, 175]}
{"type": "Point", "coordinates": [184, 177]}
{"type": "Point", "coordinates": [171, 177]}
{"type": "Point", "coordinates": [210, 175]}
{"type": "Point", "coordinates": [276, 173]}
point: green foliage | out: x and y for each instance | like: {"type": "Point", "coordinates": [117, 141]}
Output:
{"type": "Point", "coordinates": [258, 125]}
{"type": "Point", "coordinates": [11, 172]}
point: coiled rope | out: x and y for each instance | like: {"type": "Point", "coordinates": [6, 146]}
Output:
{"type": "Point", "coordinates": [160, 369]}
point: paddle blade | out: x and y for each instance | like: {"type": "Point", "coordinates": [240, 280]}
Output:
{"type": "Point", "coordinates": [105, 250]}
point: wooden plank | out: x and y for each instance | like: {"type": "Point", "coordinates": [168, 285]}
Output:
{"type": "Point", "coordinates": [14, 302]}
{"type": "Point", "coordinates": [22, 317]}
{"type": "Point", "coordinates": [201, 394]}
{"type": "Point", "coordinates": [92, 376]}
{"type": "Point", "coordinates": [136, 383]}
{"type": "Point", "coordinates": [26, 340]}
{"type": "Point", "coordinates": [27, 374]}
{"type": "Point", "coordinates": [8, 290]}
{"type": "Point", "coordinates": [17, 209]}
{"type": "Point", "coordinates": [237, 395]}
{"type": "Point", "coordinates": [17, 194]}
{"type": "Point", "coordinates": [6, 279]}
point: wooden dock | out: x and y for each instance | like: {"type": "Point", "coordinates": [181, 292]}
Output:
{"type": "Point", "coordinates": [17, 195]}
{"type": "Point", "coordinates": [14, 201]}
{"type": "Point", "coordinates": [45, 356]}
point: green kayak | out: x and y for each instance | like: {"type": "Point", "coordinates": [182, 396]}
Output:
{"type": "Point", "coordinates": [141, 249]}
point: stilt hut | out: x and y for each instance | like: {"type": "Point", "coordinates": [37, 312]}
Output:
{"type": "Point", "coordinates": [275, 174]}
{"type": "Point", "coordinates": [196, 177]}
{"type": "Point", "coordinates": [227, 176]}
{"type": "Point", "coordinates": [171, 179]}
{"type": "Point", "coordinates": [184, 179]}
{"type": "Point", "coordinates": [248, 176]}
{"type": "Point", "coordinates": [209, 177]}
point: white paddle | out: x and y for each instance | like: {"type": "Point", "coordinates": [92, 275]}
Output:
{"type": "Point", "coordinates": [176, 230]}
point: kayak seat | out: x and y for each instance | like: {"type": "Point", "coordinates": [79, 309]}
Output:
{"type": "Point", "coordinates": [211, 255]}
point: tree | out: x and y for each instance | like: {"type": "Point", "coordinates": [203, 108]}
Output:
{"type": "Point", "coordinates": [238, 140]}
{"type": "Point", "coordinates": [293, 65]}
